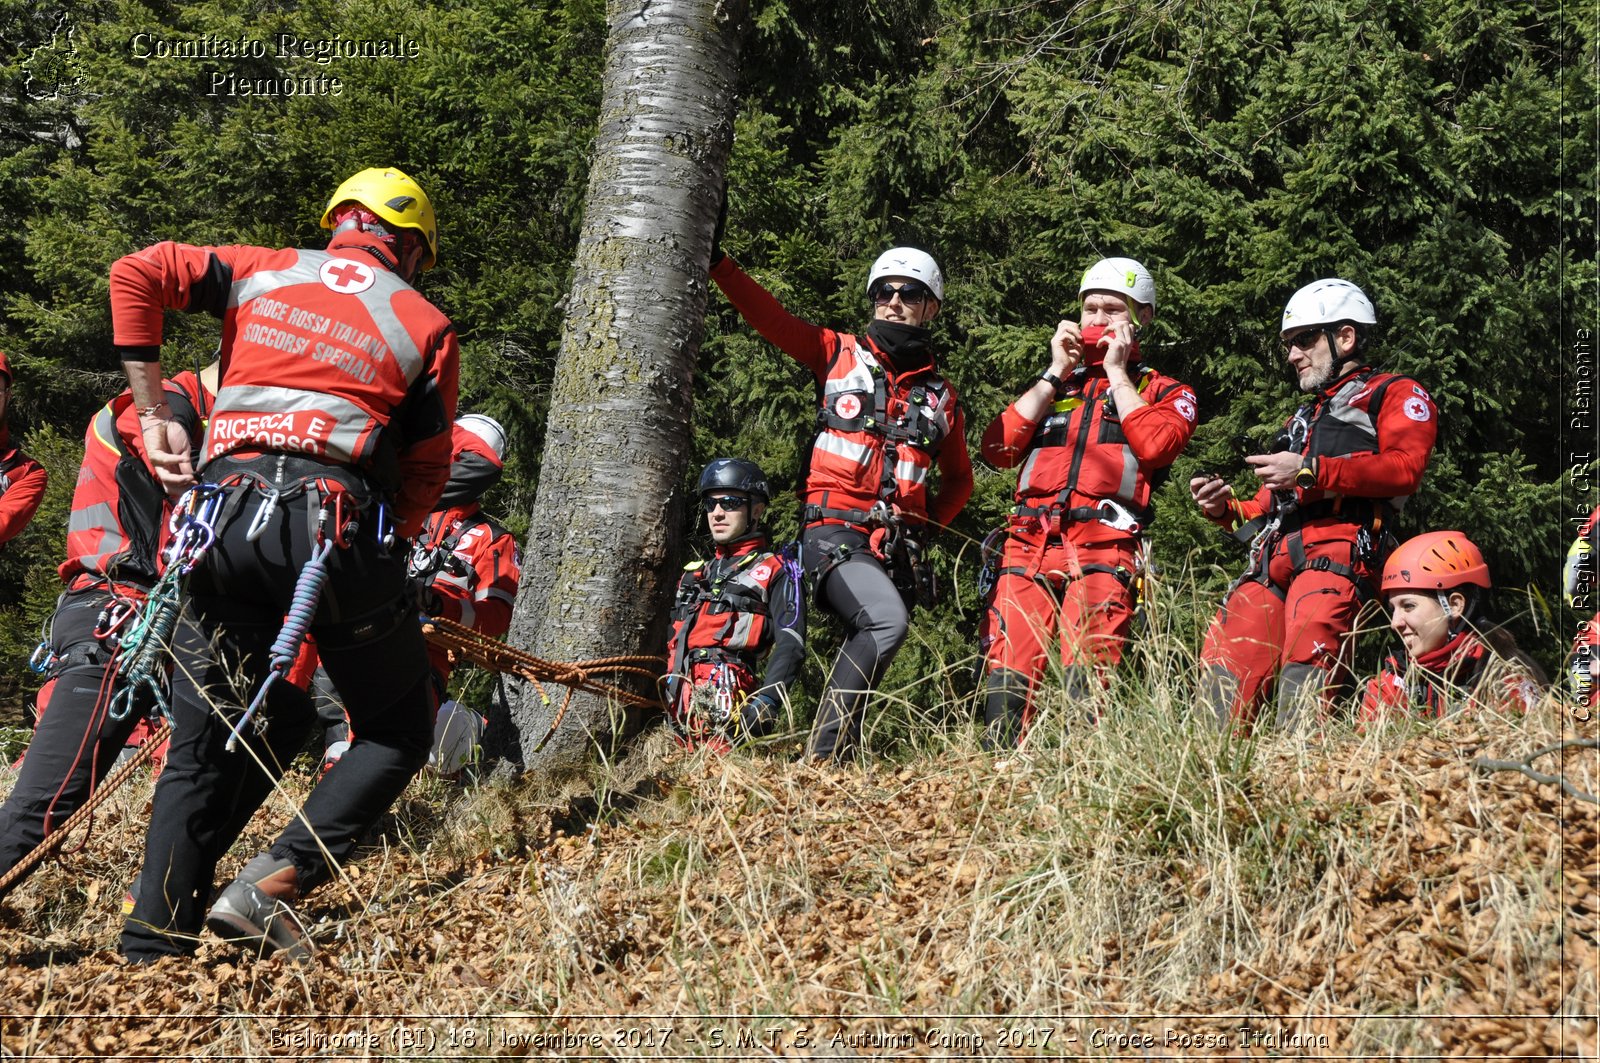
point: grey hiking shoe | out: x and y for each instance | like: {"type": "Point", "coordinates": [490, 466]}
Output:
{"type": "Point", "coordinates": [254, 913]}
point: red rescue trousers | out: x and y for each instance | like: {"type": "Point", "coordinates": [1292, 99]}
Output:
{"type": "Point", "coordinates": [1299, 619]}
{"type": "Point", "coordinates": [1079, 592]}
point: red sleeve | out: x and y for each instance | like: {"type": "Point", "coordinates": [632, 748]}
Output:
{"type": "Point", "coordinates": [425, 463]}
{"type": "Point", "coordinates": [499, 571]}
{"type": "Point", "coordinates": [20, 501]}
{"type": "Point", "coordinates": [810, 345]}
{"type": "Point", "coordinates": [1407, 424]}
{"type": "Point", "coordinates": [165, 276]}
{"type": "Point", "coordinates": [1157, 432]}
{"type": "Point", "coordinates": [955, 474]}
{"type": "Point", "coordinates": [485, 605]}
{"type": "Point", "coordinates": [1006, 439]}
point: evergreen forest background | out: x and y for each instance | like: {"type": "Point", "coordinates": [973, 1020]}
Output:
{"type": "Point", "coordinates": [1441, 154]}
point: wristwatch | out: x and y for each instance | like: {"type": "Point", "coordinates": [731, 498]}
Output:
{"type": "Point", "coordinates": [1306, 478]}
{"type": "Point", "coordinates": [1053, 380]}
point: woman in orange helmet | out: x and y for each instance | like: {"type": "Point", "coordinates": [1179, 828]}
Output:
{"type": "Point", "coordinates": [1436, 586]}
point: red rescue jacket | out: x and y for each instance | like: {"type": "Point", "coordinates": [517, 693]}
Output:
{"type": "Point", "coordinates": [1082, 452]}
{"type": "Point", "coordinates": [1371, 434]}
{"type": "Point", "coordinates": [869, 413]}
{"type": "Point", "coordinates": [1461, 675]}
{"type": "Point", "coordinates": [22, 484]}
{"type": "Point", "coordinates": [325, 353]}
{"type": "Point", "coordinates": [480, 587]}
{"type": "Point", "coordinates": [118, 523]}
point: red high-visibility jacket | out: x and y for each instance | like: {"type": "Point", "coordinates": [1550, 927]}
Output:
{"type": "Point", "coordinates": [1371, 434]}
{"type": "Point", "coordinates": [118, 522]}
{"type": "Point", "coordinates": [1082, 452]}
{"type": "Point", "coordinates": [325, 353]}
{"type": "Point", "coordinates": [858, 387]}
{"type": "Point", "coordinates": [22, 484]}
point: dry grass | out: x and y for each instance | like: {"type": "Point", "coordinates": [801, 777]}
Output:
{"type": "Point", "coordinates": [1360, 894]}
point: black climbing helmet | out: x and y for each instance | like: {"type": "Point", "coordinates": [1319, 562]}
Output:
{"type": "Point", "coordinates": [734, 474]}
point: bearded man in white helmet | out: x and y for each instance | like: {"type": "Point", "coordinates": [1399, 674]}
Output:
{"type": "Point", "coordinates": [1091, 434]}
{"type": "Point", "coordinates": [1337, 476]}
{"type": "Point", "coordinates": [887, 421]}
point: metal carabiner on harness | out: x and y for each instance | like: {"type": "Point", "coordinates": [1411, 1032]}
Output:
{"type": "Point", "coordinates": [342, 530]}
{"type": "Point", "coordinates": [385, 526]}
{"type": "Point", "coordinates": [43, 650]}
{"type": "Point", "coordinates": [263, 516]}
{"type": "Point", "coordinates": [1116, 516]}
{"type": "Point", "coordinates": [114, 616]}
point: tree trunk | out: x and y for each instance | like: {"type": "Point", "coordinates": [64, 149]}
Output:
{"type": "Point", "coordinates": [603, 535]}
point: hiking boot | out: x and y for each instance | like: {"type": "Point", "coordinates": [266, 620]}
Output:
{"type": "Point", "coordinates": [254, 913]}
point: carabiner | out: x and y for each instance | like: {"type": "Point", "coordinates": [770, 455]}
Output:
{"type": "Point", "coordinates": [43, 657]}
{"type": "Point", "coordinates": [1116, 516]}
{"type": "Point", "coordinates": [385, 526]}
{"type": "Point", "coordinates": [263, 516]}
{"type": "Point", "coordinates": [114, 616]}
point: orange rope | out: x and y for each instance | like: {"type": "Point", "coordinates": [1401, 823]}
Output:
{"type": "Point", "coordinates": [464, 643]}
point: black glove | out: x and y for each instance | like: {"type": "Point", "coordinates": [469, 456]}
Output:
{"type": "Point", "coordinates": [758, 717]}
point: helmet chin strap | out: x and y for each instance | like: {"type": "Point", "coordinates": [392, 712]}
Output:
{"type": "Point", "coordinates": [1455, 621]}
{"type": "Point", "coordinates": [384, 250]}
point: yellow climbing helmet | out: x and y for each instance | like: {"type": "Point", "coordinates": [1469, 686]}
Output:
{"type": "Point", "coordinates": [395, 198]}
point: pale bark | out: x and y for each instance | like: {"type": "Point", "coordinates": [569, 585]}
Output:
{"type": "Point", "coordinates": [598, 574]}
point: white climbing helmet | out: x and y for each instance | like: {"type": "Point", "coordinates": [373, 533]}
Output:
{"type": "Point", "coordinates": [1123, 276]}
{"type": "Point", "coordinates": [1325, 302]}
{"type": "Point", "coordinates": [487, 429]}
{"type": "Point", "coordinates": [908, 262]}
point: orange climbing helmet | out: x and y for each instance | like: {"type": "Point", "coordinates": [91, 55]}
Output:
{"type": "Point", "coordinates": [1435, 561]}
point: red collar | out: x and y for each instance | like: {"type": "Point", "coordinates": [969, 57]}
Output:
{"type": "Point", "coordinates": [741, 547]}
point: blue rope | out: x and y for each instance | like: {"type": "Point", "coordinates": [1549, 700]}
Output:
{"type": "Point", "coordinates": [286, 647]}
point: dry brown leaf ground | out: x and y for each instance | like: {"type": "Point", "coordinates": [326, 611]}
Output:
{"type": "Point", "coordinates": [1359, 896]}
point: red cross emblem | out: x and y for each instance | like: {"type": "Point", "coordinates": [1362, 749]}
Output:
{"type": "Point", "coordinates": [848, 406]}
{"type": "Point", "coordinates": [346, 277]}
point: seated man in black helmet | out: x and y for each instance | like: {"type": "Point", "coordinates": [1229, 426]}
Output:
{"type": "Point", "coordinates": [729, 613]}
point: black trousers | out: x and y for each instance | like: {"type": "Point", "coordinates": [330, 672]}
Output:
{"type": "Point", "coordinates": [371, 644]}
{"type": "Point", "coordinates": [76, 741]}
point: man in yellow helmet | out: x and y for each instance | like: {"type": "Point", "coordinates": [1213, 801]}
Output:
{"type": "Point", "coordinates": [330, 438]}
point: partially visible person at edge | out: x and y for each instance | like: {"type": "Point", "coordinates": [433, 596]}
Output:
{"type": "Point", "coordinates": [743, 605]}
{"type": "Point", "coordinates": [117, 528]}
{"type": "Point", "coordinates": [1581, 586]}
{"type": "Point", "coordinates": [1456, 659]}
{"type": "Point", "coordinates": [1093, 434]}
{"type": "Point", "coordinates": [1337, 475]}
{"type": "Point", "coordinates": [466, 569]}
{"type": "Point", "coordinates": [333, 421]}
{"type": "Point", "coordinates": [887, 418]}
{"type": "Point", "coordinates": [22, 480]}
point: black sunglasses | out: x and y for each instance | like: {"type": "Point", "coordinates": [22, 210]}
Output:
{"type": "Point", "coordinates": [1302, 341]}
{"type": "Point", "coordinates": [729, 503]}
{"type": "Point", "coordinates": [911, 294]}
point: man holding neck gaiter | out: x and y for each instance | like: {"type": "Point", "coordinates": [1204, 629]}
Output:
{"type": "Point", "coordinates": [1091, 435]}
{"type": "Point", "coordinates": [887, 419]}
